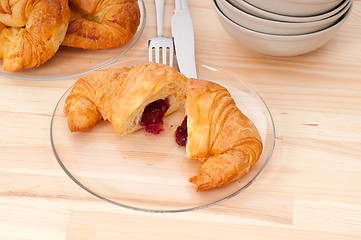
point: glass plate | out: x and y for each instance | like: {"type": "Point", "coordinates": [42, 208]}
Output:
{"type": "Point", "coordinates": [61, 65]}
{"type": "Point", "coordinates": [150, 173]}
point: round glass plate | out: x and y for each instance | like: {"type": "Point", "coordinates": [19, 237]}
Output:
{"type": "Point", "coordinates": [150, 173]}
{"type": "Point", "coordinates": [61, 65]}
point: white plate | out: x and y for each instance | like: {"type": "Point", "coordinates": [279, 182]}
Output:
{"type": "Point", "coordinates": [61, 65]}
{"type": "Point", "coordinates": [147, 172]}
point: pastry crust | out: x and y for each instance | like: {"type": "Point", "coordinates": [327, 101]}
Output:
{"type": "Point", "coordinates": [31, 31]}
{"type": "Point", "coordinates": [101, 24]}
{"type": "Point", "coordinates": [219, 135]}
{"type": "Point", "coordinates": [121, 95]}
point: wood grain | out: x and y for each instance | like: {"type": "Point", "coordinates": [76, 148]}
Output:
{"type": "Point", "coordinates": [310, 190]}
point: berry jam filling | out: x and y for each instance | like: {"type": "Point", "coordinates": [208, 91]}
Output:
{"type": "Point", "coordinates": [152, 118]}
{"type": "Point", "coordinates": [181, 134]}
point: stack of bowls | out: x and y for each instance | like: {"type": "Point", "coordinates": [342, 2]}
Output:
{"type": "Point", "coordinates": [282, 27]}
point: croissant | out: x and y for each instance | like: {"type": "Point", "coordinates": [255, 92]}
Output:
{"type": "Point", "coordinates": [31, 31]}
{"type": "Point", "coordinates": [219, 134]}
{"type": "Point", "coordinates": [130, 98]}
{"type": "Point", "coordinates": [99, 24]}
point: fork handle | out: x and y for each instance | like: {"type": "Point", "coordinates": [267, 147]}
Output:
{"type": "Point", "coordinates": [159, 8]}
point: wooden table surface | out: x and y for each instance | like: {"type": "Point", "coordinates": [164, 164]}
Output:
{"type": "Point", "coordinates": [310, 190]}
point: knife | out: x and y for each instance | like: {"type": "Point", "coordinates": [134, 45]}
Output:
{"type": "Point", "coordinates": [183, 37]}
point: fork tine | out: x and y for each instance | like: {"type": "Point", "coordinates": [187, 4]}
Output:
{"type": "Point", "coordinates": [161, 50]}
{"type": "Point", "coordinates": [150, 53]}
{"type": "Point", "coordinates": [171, 56]}
{"type": "Point", "coordinates": [160, 43]}
{"type": "Point", "coordinates": [157, 55]}
{"type": "Point", "coordinates": [164, 55]}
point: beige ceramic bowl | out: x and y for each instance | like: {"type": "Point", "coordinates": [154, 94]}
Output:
{"type": "Point", "coordinates": [296, 7]}
{"type": "Point", "coordinates": [275, 27]}
{"type": "Point", "coordinates": [246, 7]}
{"type": "Point", "coordinates": [278, 45]}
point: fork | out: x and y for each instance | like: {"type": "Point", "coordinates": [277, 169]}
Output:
{"type": "Point", "coordinates": [160, 44]}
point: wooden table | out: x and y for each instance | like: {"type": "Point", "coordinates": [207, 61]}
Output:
{"type": "Point", "coordinates": [310, 190]}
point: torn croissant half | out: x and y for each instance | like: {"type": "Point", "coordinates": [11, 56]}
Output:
{"type": "Point", "coordinates": [226, 142]}
{"type": "Point", "coordinates": [130, 98]}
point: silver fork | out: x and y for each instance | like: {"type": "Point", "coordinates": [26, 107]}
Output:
{"type": "Point", "coordinates": [160, 44]}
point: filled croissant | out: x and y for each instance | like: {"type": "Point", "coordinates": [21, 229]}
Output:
{"type": "Point", "coordinates": [219, 135]}
{"type": "Point", "coordinates": [130, 98]}
{"type": "Point", "coordinates": [99, 24]}
{"type": "Point", "coordinates": [31, 31]}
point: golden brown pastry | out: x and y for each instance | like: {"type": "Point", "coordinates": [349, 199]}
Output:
{"type": "Point", "coordinates": [127, 97]}
{"type": "Point", "coordinates": [31, 31]}
{"type": "Point", "coordinates": [100, 24]}
{"type": "Point", "coordinates": [225, 140]}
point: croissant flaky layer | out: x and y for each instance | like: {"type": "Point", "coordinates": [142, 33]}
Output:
{"type": "Point", "coordinates": [220, 135]}
{"type": "Point", "coordinates": [31, 31]}
{"type": "Point", "coordinates": [121, 95]}
{"type": "Point", "coordinates": [99, 24]}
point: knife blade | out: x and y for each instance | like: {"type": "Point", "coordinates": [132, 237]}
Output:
{"type": "Point", "coordinates": [183, 37]}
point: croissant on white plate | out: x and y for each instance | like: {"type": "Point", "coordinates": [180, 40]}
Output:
{"type": "Point", "coordinates": [98, 24]}
{"type": "Point", "coordinates": [130, 98]}
{"type": "Point", "coordinates": [226, 142]}
{"type": "Point", "coordinates": [215, 131]}
{"type": "Point", "coordinates": [31, 31]}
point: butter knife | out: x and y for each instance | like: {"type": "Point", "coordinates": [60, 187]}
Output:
{"type": "Point", "coordinates": [183, 37]}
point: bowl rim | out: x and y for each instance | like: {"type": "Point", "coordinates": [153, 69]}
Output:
{"type": "Point", "coordinates": [278, 37]}
{"type": "Point", "coordinates": [313, 1]}
{"type": "Point", "coordinates": [278, 23]}
{"type": "Point", "coordinates": [286, 18]}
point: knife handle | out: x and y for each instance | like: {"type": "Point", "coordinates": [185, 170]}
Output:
{"type": "Point", "coordinates": [181, 4]}
{"type": "Point", "coordinates": [159, 8]}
